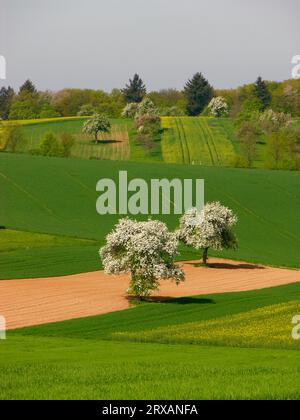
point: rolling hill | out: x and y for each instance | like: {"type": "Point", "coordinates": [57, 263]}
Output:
{"type": "Point", "coordinates": [58, 197]}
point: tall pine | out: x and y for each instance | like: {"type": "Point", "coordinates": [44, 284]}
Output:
{"type": "Point", "coordinates": [28, 87]}
{"type": "Point", "coordinates": [6, 97]}
{"type": "Point", "coordinates": [135, 90]}
{"type": "Point", "coordinates": [198, 93]}
{"type": "Point", "coordinates": [261, 91]}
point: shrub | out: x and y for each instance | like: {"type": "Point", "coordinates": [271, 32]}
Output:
{"type": "Point", "coordinates": [48, 111]}
{"type": "Point", "coordinates": [173, 111]}
{"type": "Point", "coordinates": [67, 142]}
{"type": "Point", "coordinates": [13, 137]}
{"type": "Point", "coordinates": [50, 146]}
{"type": "Point", "coordinates": [86, 111]}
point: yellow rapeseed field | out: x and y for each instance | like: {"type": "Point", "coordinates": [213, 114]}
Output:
{"type": "Point", "coordinates": [270, 326]}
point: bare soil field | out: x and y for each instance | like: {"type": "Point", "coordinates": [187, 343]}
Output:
{"type": "Point", "coordinates": [39, 301]}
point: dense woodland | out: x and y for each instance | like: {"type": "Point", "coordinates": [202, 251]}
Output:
{"type": "Point", "coordinates": [29, 103]}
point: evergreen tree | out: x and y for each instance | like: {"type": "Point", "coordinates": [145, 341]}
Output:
{"type": "Point", "coordinates": [135, 90]}
{"type": "Point", "coordinates": [261, 91]}
{"type": "Point", "coordinates": [6, 96]}
{"type": "Point", "coordinates": [28, 87]}
{"type": "Point", "coordinates": [198, 93]}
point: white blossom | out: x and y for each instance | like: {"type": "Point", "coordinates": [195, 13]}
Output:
{"type": "Point", "coordinates": [146, 250]}
{"type": "Point", "coordinates": [210, 228]}
{"type": "Point", "coordinates": [218, 107]}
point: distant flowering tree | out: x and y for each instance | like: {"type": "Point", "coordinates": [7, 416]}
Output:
{"type": "Point", "coordinates": [130, 110]}
{"type": "Point", "coordinates": [210, 228]}
{"type": "Point", "coordinates": [99, 123]}
{"type": "Point", "coordinates": [218, 107]}
{"type": "Point", "coordinates": [146, 250]}
{"type": "Point", "coordinates": [147, 107]}
{"type": "Point", "coordinates": [271, 121]}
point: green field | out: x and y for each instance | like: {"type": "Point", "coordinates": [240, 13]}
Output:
{"type": "Point", "coordinates": [115, 145]}
{"type": "Point", "coordinates": [204, 141]}
{"type": "Point", "coordinates": [195, 141]}
{"type": "Point", "coordinates": [58, 197]}
{"type": "Point", "coordinates": [86, 360]}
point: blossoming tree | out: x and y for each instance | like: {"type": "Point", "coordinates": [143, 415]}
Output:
{"type": "Point", "coordinates": [218, 107]}
{"type": "Point", "coordinates": [146, 250]}
{"type": "Point", "coordinates": [99, 123]}
{"type": "Point", "coordinates": [210, 228]}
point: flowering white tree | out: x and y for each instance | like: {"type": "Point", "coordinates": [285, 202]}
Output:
{"type": "Point", "coordinates": [99, 123]}
{"type": "Point", "coordinates": [271, 121]}
{"type": "Point", "coordinates": [218, 107]}
{"type": "Point", "coordinates": [147, 107]}
{"type": "Point", "coordinates": [130, 110]}
{"type": "Point", "coordinates": [210, 228]}
{"type": "Point", "coordinates": [146, 250]}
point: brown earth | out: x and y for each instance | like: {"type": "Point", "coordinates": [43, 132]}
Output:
{"type": "Point", "coordinates": [38, 301]}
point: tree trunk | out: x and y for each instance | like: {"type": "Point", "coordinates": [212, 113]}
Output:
{"type": "Point", "coordinates": [205, 256]}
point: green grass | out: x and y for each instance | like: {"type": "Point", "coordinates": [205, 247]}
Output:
{"type": "Point", "coordinates": [115, 145]}
{"type": "Point", "coordinates": [84, 360]}
{"type": "Point", "coordinates": [264, 327]}
{"type": "Point", "coordinates": [58, 197]}
{"type": "Point", "coordinates": [83, 369]}
{"type": "Point", "coordinates": [27, 254]}
{"type": "Point", "coordinates": [189, 140]}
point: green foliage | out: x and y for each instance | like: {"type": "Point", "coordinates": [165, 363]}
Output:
{"type": "Point", "coordinates": [262, 93]}
{"type": "Point", "coordinates": [28, 88]}
{"type": "Point", "coordinates": [67, 142]}
{"type": "Point", "coordinates": [54, 146]}
{"type": "Point", "coordinates": [167, 99]}
{"type": "Point", "coordinates": [13, 137]}
{"type": "Point", "coordinates": [6, 97]}
{"type": "Point", "coordinates": [86, 110]}
{"type": "Point", "coordinates": [47, 111]}
{"type": "Point", "coordinates": [135, 91]}
{"type": "Point", "coordinates": [248, 134]}
{"type": "Point", "coordinates": [173, 111]}
{"type": "Point", "coordinates": [26, 109]}
{"type": "Point", "coordinates": [50, 145]}
{"type": "Point", "coordinates": [198, 93]}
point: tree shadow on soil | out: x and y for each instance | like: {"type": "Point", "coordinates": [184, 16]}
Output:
{"type": "Point", "coordinates": [228, 266]}
{"type": "Point", "coordinates": [100, 142]}
{"type": "Point", "coordinates": [168, 299]}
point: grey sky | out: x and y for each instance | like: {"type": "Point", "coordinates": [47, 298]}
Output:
{"type": "Point", "coordinates": [101, 43]}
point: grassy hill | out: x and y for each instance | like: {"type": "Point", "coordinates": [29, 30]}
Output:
{"type": "Point", "coordinates": [58, 197]}
{"type": "Point", "coordinates": [204, 141]}
{"type": "Point", "coordinates": [96, 358]}
{"type": "Point", "coordinates": [196, 141]}
{"type": "Point", "coordinates": [115, 145]}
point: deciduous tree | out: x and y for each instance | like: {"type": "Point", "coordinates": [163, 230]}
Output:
{"type": "Point", "coordinates": [145, 250]}
{"type": "Point", "coordinates": [210, 228]}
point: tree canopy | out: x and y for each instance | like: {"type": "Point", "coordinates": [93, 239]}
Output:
{"type": "Point", "coordinates": [135, 90]}
{"type": "Point", "coordinates": [198, 93]}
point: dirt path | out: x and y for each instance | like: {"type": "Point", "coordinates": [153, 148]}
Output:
{"type": "Point", "coordinates": [39, 301]}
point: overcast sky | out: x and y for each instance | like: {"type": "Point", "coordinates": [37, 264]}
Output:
{"type": "Point", "coordinates": [101, 43]}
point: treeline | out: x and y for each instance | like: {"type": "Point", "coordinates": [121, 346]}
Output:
{"type": "Point", "coordinates": [29, 103]}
